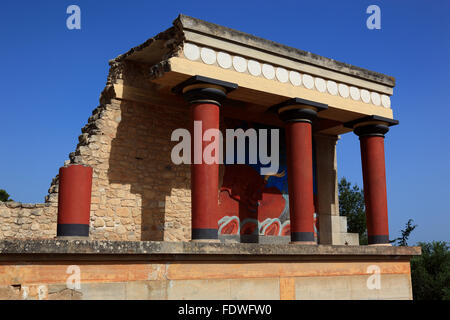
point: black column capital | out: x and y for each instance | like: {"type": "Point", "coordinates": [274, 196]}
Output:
{"type": "Point", "coordinates": [298, 110]}
{"type": "Point", "coordinates": [200, 89]}
{"type": "Point", "coordinates": [371, 126]}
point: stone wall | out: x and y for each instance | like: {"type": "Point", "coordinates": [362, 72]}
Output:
{"type": "Point", "coordinates": [25, 220]}
{"type": "Point", "coordinates": [137, 193]}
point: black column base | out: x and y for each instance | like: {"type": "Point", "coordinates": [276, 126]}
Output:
{"type": "Point", "coordinates": [302, 236]}
{"type": "Point", "coordinates": [204, 234]}
{"type": "Point", "coordinates": [378, 239]}
{"type": "Point", "coordinates": [72, 230]}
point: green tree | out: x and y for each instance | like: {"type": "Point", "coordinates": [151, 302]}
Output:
{"type": "Point", "coordinates": [403, 239]}
{"type": "Point", "coordinates": [430, 272]}
{"type": "Point", "coordinates": [4, 196]}
{"type": "Point", "coordinates": [351, 205]}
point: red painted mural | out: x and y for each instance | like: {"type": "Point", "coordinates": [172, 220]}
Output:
{"type": "Point", "coordinates": [246, 198]}
{"type": "Point", "coordinates": [250, 203]}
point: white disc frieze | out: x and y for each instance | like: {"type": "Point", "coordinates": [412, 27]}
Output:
{"type": "Point", "coordinates": [224, 60]}
{"type": "Point", "coordinates": [268, 71]}
{"type": "Point", "coordinates": [365, 96]}
{"type": "Point", "coordinates": [308, 81]}
{"type": "Point", "coordinates": [191, 51]}
{"type": "Point", "coordinates": [295, 78]}
{"type": "Point", "coordinates": [239, 64]}
{"type": "Point", "coordinates": [343, 90]}
{"type": "Point", "coordinates": [320, 84]}
{"type": "Point", "coordinates": [282, 75]}
{"type": "Point", "coordinates": [254, 67]}
{"type": "Point", "coordinates": [332, 87]}
{"type": "Point", "coordinates": [208, 55]}
{"type": "Point", "coordinates": [354, 93]}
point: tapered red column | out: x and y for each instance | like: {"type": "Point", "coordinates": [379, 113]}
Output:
{"type": "Point", "coordinates": [375, 196]}
{"type": "Point", "coordinates": [300, 179]}
{"type": "Point", "coordinates": [204, 177]}
{"type": "Point", "coordinates": [298, 115]}
{"type": "Point", "coordinates": [74, 201]}
{"type": "Point", "coordinates": [371, 133]}
{"type": "Point", "coordinates": [205, 96]}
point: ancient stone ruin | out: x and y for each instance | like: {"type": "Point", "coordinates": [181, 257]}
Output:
{"type": "Point", "coordinates": [121, 197]}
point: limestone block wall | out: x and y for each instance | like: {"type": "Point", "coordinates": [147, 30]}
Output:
{"type": "Point", "coordinates": [25, 220]}
{"type": "Point", "coordinates": [137, 193]}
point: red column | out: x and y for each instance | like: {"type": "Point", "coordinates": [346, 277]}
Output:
{"type": "Point", "coordinates": [375, 196]}
{"type": "Point", "coordinates": [204, 177]}
{"type": "Point", "coordinates": [300, 179]}
{"type": "Point", "coordinates": [74, 201]}
{"type": "Point", "coordinates": [371, 131]}
{"type": "Point", "coordinates": [205, 96]}
{"type": "Point", "coordinates": [298, 115]}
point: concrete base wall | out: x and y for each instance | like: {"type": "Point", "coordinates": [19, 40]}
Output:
{"type": "Point", "coordinates": [121, 270]}
{"type": "Point", "coordinates": [206, 280]}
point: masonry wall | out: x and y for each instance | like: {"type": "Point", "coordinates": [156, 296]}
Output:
{"type": "Point", "coordinates": [25, 220]}
{"type": "Point", "coordinates": [137, 192]}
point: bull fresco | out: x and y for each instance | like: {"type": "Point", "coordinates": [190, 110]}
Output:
{"type": "Point", "coordinates": [255, 204]}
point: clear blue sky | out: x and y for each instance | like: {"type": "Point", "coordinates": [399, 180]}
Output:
{"type": "Point", "coordinates": [51, 79]}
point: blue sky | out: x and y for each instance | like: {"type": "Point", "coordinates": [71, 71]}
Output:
{"type": "Point", "coordinates": [51, 79]}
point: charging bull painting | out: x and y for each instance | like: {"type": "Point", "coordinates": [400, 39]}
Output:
{"type": "Point", "coordinates": [255, 204]}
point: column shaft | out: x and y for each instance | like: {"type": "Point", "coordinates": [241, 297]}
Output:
{"type": "Point", "coordinates": [74, 201]}
{"type": "Point", "coordinates": [375, 196]}
{"type": "Point", "coordinates": [300, 179]}
{"type": "Point", "coordinates": [205, 96]}
{"type": "Point", "coordinates": [204, 177]}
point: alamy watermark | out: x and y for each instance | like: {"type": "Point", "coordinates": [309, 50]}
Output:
{"type": "Point", "coordinates": [236, 150]}
{"type": "Point", "coordinates": [374, 20]}
{"type": "Point", "coordinates": [374, 281]}
{"type": "Point", "coordinates": [73, 281]}
{"type": "Point", "coordinates": [74, 20]}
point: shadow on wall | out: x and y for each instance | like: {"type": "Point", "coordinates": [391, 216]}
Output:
{"type": "Point", "coordinates": [150, 191]}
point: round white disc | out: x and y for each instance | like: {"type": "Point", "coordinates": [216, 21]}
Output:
{"type": "Point", "coordinates": [320, 84]}
{"type": "Point", "coordinates": [191, 51]}
{"type": "Point", "coordinates": [254, 67]}
{"type": "Point", "coordinates": [343, 90]}
{"type": "Point", "coordinates": [224, 60]}
{"type": "Point", "coordinates": [208, 55]}
{"type": "Point", "coordinates": [282, 75]}
{"type": "Point", "coordinates": [239, 64]}
{"type": "Point", "coordinates": [308, 81]}
{"type": "Point", "coordinates": [365, 95]}
{"type": "Point", "coordinates": [376, 99]}
{"type": "Point", "coordinates": [268, 71]}
{"type": "Point", "coordinates": [354, 93]}
{"type": "Point", "coordinates": [332, 87]}
{"type": "Point", "coordinates": [386, 101]}
{"type": "Point", "coordinates": [295, 78]}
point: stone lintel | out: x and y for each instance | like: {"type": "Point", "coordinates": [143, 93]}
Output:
{"type": "Point", "coordinates": [242, 38]}
{"type": "Point", "coordinates": [12, 250]}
